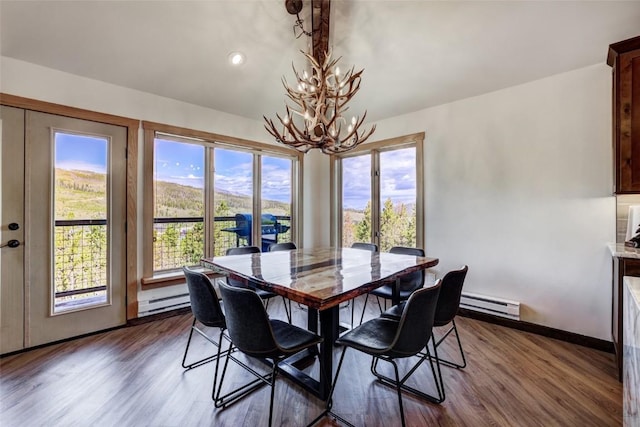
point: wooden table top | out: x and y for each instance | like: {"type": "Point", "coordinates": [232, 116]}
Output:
{"type": "Point", "coordinates": [319, 277]}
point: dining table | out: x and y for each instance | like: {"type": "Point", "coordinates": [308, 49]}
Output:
{"type": "Point", "coordinates": [321, 279]}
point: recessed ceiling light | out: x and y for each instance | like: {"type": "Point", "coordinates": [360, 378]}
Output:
{"type": "Point", "coordinates": [236, 58]}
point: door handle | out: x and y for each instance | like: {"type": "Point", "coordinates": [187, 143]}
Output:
{"type": "Point", "coordinates": [11, 243]}
{"type": "Point", "coordinates": [14, 226]}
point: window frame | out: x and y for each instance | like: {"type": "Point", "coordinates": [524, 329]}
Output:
{"type": "Point", "coordinates": [152, 279]}
{"type": "Point", "coordinates": [374, 149]}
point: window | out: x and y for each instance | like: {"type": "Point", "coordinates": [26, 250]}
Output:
{"type": "Point", "coordinates": [207, 190]}
{"type": "Point", "coordinates": [80, 228]}
{"type": "Point", "coordinates": [378, 191]}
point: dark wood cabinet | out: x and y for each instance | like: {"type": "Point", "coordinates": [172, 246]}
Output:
{"type": "Point", "coordinates": [621, 267]}
{"type": "Point", "coordinates": [624, 57]}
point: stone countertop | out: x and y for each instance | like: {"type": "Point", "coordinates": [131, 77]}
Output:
{"type": "Point", "coordinates": [619, 250]}
{"type": "Point", "coordinates": [633, 283]}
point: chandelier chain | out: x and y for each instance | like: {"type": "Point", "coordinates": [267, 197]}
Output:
{"type": "Point", "coordinates": [300, 24]}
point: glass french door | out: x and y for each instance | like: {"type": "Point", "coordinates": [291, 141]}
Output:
{"type": "Point", "coordinates": [72, 230]}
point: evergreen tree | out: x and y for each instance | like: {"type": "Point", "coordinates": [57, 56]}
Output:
{"type": "Point", "coordinates": [363, 228]}
{"type": "Point", "coordinates": [192, 245]}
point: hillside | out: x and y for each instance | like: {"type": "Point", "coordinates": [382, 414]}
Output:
{"type": "Point", "coordinates": [82, 195]}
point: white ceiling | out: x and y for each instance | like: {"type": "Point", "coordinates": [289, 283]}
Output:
{"type": "Point", "coordinates": [416, 54]}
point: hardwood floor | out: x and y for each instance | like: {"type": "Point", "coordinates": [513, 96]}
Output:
{"type": "Point", "coordinates": [132, 377]}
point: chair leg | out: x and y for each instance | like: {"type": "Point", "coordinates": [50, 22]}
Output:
{"type": "Point", "coordinates": [186, 350]}
{"type": "Point", "coordinates": [401, 383]}
{"type": "Point", "coordinates": [437, 379]}
{"type": "Point", "coordinates": [248, 388]}
{"type": "Point", "coordinates": [287, 311]}
{"type": "Point", "coordinates": [215, 373]}
{"type": "Point", "coordinates": [274, 373]}
{"type": "Point", "coordinates": [398, 389]}
{"type": "Point", "coordinates": [353, 309]}
{"type": "Point", "coordinates": [366, 300]}
{"type": "Point", "coordinates": [449, 363]}
{"type": "Point", "coordinates": [380, 306]}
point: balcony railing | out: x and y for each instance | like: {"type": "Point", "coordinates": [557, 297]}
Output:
{"type": "Point", "coordinates": [180, 241]}
{"type": "Point", "coordinates": [81, 251]}
{"type": "Point", "coordinates": [80, 263]}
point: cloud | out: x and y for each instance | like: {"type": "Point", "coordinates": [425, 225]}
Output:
{"type": "Point", "coordinates": [397, 180]}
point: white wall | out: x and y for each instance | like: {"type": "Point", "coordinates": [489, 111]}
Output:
{"type": "Point", "coordinates": [316, 197]}
{"type": "Point", "coordinates": [519, 188]}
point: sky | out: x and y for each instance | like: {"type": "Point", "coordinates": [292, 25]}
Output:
{"type": "Point", "coordinates": [184, 164]}
{"type": "Point", "coordinates": [397, 178]}
{"type": "Point", "coordinates": [80, 152]}
{"type": "Point", "coordinates": [233, 170]}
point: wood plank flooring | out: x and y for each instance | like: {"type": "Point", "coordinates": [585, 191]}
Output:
{"type": "Point", "coordinates": [132, 377]}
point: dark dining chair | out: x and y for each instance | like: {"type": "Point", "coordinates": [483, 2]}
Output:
{"type": "Point", "coordinates": [446, 311]}
{"type": "Point", "coordinates": [388, 340]}
{"type": "Point", "coordinates": [408, 283]}
{"type": "Point", "coordinates": [286, 246]}
{"type": "Point", "coordinates": [264, 295]}
{"type": "Point", "coordinates": [206, 310]}
{"type": "Point", "coordinates": [257, 336]}
{"type": "Point", "coordinates": [371, 247]}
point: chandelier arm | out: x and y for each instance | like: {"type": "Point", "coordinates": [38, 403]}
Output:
{"type": "Point", "coordinates": [293, 130]}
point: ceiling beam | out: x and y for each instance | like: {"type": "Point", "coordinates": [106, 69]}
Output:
{"type": "Point", "coordinates": [320, 24]}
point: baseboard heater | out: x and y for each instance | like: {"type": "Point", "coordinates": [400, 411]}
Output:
{"type": "Point", "coordinates": [161, 300]}
{"type": "Point", "coordinates": [491, 305]}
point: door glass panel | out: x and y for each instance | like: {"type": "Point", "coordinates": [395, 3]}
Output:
{"type": "Point", "coordinates": [275, 200]}
{"type": "Point", "coordinates": [233, 199]}
{"type": "Point", "coordinates": [356, 199]}
{"type": "Point", "coordinates": [81, 221]}
{"type": "Point", "coordinates": [398, 198]}
{"type": "Point", "coordinates": [178, 186]}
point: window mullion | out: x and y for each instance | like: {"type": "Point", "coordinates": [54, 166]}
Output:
{"type": "Point", "coordinates": [257, 200]}
{"type": "Point", "coordinates": [375, 197]}
{"type": "Point", "coordinates": [209, 199]}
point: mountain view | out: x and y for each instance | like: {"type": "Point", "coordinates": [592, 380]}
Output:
{"type": "Point", "coordinates": [82, 195]}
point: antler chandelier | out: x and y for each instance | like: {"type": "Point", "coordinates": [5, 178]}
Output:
{"type": "Point", "coordinates": [316, 118]}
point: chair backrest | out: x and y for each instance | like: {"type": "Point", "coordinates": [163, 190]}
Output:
{"type": "Point", "coordinates": [247, 322]}
{"type": "Point", "coordinates": [243, 250]}
{"type": "Point", "coordinates": [449, 299]}
{"type": "Point", "coordinates": [413, 281]}
{"type": "Point", "coordinates": [204, 300]}
{"type": "Point", "coordinates": [287, 246]}
{"type": "Point", "coordinates": [366, 246]}
{"type": "Point", "coordinates": [416, 322]}
{"type": "Point", "coordinates": [240, 251]}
